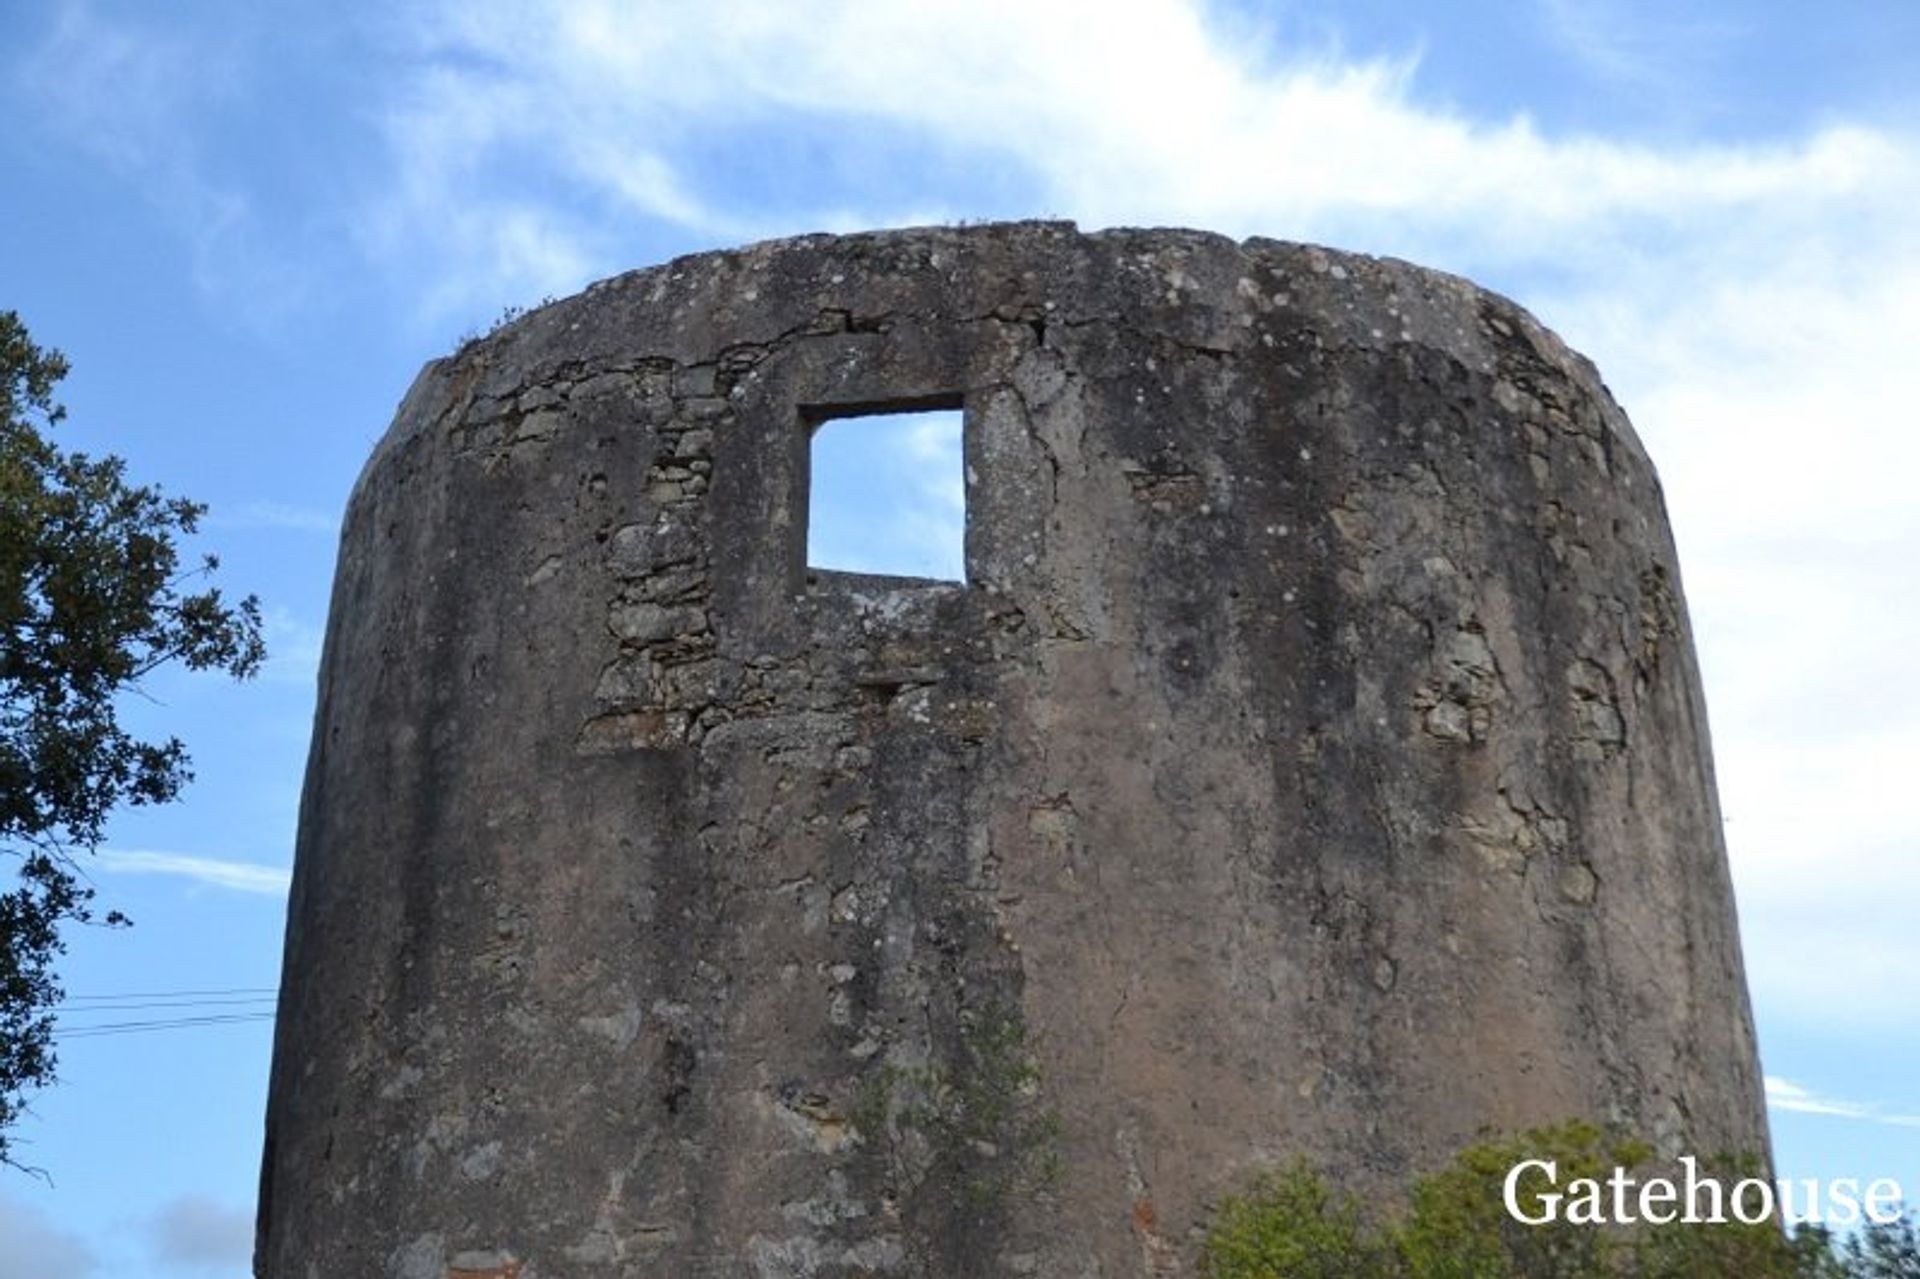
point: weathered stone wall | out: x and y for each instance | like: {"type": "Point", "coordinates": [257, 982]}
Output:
{"type": "Point", "coordinates": [1313, 764]}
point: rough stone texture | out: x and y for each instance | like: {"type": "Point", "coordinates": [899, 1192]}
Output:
{"type": "Point", "coordinates": [1314, 763]}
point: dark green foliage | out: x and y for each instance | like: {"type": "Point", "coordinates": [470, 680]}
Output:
{"type": "Point", "coordinates": [1680, 1251]}
{"type": "Point", "coordinates": [1762, 1250]}
{"type": "Point", "coordinates": [1292, 1226]}
{"type": "Point", "coordinates": [1459, 1227]}
{"type": "Point", "coordinates": [1885, 1250]}
{"type": "Point", "coordinates": [92, 600]}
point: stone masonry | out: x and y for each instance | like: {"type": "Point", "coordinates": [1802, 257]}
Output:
{"type": "Point", "coordinates": [1313, 763]}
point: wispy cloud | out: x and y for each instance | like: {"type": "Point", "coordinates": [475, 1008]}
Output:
{"type": "Point", "coordinates": [1785, 1095]}
{"type": "Point", "coordinates": [134, 94]}
{"type": "Point", "coordinates": [293, 647]}
{"type": "Point", "coordinates": [120, 89]}
{"type": "Point", "coordinates": [276, 515]}
{"type": "Point", "coordinates": [240, 877]}
{"type": "Point", "coordinates": [889, 495]}
{"type": "Point", "coordinates": [1636, 45]}
{"type": "Point", "coordinates": [630, 98]}
{"type": "Point", "coordinates": [1763, 368]}
{"type": "Point", "coordinates": [33, 1245]}
{"type": "Point", "coordinates": [199, 1231]}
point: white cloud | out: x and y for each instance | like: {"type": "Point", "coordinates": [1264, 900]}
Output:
{"type": "Point", "coordinates": [33, 1245]}
{"type": "Point", "coordinates": [198, 1231]}
{"type": "Point", "coordinates": [293, 647]}
{"type": "Point", "coordinates": [133, 95]}
{"type": "Point", "coordinates": [1641, 47]}
{"type": "Point", "coordinates": [121, 90]}
{"type": "Point", "coordinates": [1754, 305]}
{"type": "Point", "coordinates": [276, 515]}
{"type": "Point", "coordinates": [241, 877]}
{"type": "Point", "coordinates": [1768, 365]}
{"type": "Point", "coordinates": [890, 495]}
{"type": "Point", "coordinates": [933, 524]}
{"type": "Point", "coordinates": [1158, 114]}
{"type": "Point", "coordinates": [446, 132]}
{"type": "Point", "coordinates": [1785, 1095]}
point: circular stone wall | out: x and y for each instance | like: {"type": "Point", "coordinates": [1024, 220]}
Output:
{"type": "Point", "coordinates": [1313, 764]}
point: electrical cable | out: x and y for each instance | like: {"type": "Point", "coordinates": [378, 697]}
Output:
{"type": "Point", "coordinates": [224, 1006]}
{"type": "Point", "coordinates": [139, 1027]}
{"type": "Point", "coordinates": [174, 994]}
{"type": "Point", "coordinates": [176, 1003]}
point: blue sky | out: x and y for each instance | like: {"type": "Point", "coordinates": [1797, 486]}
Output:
{"type": "Point", "coordinates": [249, 225]}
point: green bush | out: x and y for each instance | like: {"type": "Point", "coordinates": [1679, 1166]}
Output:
{"type": "Point", "coordinates": [1292, 1225]}
{"type": "Point", "coordinates": [1459, 1227]}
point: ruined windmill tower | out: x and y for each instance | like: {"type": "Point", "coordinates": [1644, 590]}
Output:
{"type": "Point", "coordinates": [1312, 763]}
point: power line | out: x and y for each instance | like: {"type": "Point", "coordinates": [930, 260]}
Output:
{"type": "Point", "coordinates": [225, 1006]}
{"type": "Point", "coordinates": [174, 994]}
{"type": "Point", "coordinates": [241, 1000]}
{"type": "Point", "coordinates": [139, 1027]}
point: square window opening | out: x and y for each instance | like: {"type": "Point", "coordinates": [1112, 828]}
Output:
{"type": "Point", "coordinates": [886, 489]}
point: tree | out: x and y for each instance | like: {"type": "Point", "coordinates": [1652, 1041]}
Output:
{"type": "Point", "coordinates": [92, 599]}
{"type": "Point", "coordinates": [1886, 1250]}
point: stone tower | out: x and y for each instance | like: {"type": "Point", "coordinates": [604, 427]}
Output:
{"type": "Point", "coordinates": [1312, 763]}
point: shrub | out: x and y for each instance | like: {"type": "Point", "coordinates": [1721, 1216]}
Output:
{"type": "Point", "coordinates": [1292, 1225]}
